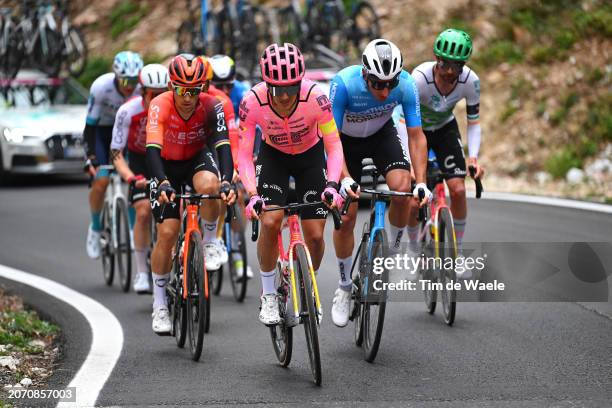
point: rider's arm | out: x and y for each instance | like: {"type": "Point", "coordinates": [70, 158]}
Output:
{"type": "Point", "coordinates": [219, 139]}
{"type": "Point", "coordinates": [473, 115]}
{"type": "Point", "coordinates": [232, 128]}
{"type": "Point", "coordinates": [331, 139]}
{"type": "Point", "coordinates": [246, 138]}
{"type": "Point", "coordinates": [338, 96]}
{"type": "Point", "coordinates": [94, 109]}
{"type": "Point", "coordinates": [155, 139]}
{"type": "Point", "coordinates": [417, 143]}
{"type": "Point", "coordinates": [121, 130]}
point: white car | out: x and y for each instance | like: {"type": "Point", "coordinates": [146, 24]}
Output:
{"type": "Point", "coordinates": [41, 125]}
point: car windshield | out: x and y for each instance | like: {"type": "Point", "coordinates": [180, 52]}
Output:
{"type": "Point", "coordinates": [41, 92]}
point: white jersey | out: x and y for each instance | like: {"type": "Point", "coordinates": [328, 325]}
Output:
{"type": "Point", "coordinates": [436, 109]}
{"type": "Point", "coordinates": [105, 100]}
{"type": "Point", "coordinates": [130, 126]}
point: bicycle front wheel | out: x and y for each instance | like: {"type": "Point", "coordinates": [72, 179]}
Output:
{"type": "Point", "coordinates": [375, 300]}
{"type": "Point", "coordinates": [238, 271]}
{"type": "Point", "coordinates": [124, 245]}
{"type": "Point", "coordinates": [106, 246]}
{"type": "Point", "coordinates": [309, 313]}
{"type": "Point", "coordinates": [178, 306]}
{"type": "Point", "coordinates": [447, 248]}
{"type": "Point", "coordinates": [282, 333]}
{"type": "Point", "coordinates": [197, 291]}
{"type": "Point", "coordinates": [429, 275]}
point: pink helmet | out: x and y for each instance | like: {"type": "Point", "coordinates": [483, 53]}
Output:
{"type": "Point", "coordinates": [282, 65]}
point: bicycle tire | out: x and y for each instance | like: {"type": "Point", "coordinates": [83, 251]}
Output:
{"type": "Point", "coordinates": [124, 245]}
{"type": "Point", "coordinates": [309, 319]}
{"type": "Point", "coordinates": [364, 27]}
{"type": "Point", "coordinates": [358, 281]}
{"type": "Point", "coordinates": [106, 246]}
{"type": "Point", "coordinates": [76, 61]}
{"type": "Point", "coordinates": [11, 60]}
{"type": "Point", "coordinates": [179, 306]}
{"type": "Point", "coordinates": [185, 37]}
{"type": "Point", "coordinates": [282, 334]}
{"type": "Point", "coordinates": [207, 301]}
{"type": "Point", "coordinates": [48, 56]}
{"type": "Point", "coordinates": [216, 281]}
{"type": "Point", "coordinates": [373, 335]}
{"type": "Point", "coordinates": [447, 248]}
{"type": "Point", "coordinates": [238, 279]}
{"type": "Point", "coordinates": [196, 297]}
{"type": "Point", "coordinates": [430, 296]}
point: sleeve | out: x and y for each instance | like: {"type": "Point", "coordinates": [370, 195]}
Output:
{"type": "Point", "coordinates": [338, 95]}
{"type": "Point", "coordinates": [155, 139]}
{"type": "Point", "coordinates": [219, 139]}
{"type": "Point", "coordinates": [410, 102]}
{"type": "Point", "coordinates": [331, 139]}
{"type": "Point", "coordinates": [246, 140]}
{"type": "Point", "coordinates": [232, 128]}
{"type": "Point", "coordinates": [472, 99]}
{"type": "Point", "coordinates": [121, 128]}
{"type": "Point", "coordinates": [94, 103]}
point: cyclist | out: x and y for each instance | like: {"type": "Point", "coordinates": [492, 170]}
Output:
{"type": "Point", "coordinates": [441, 84]}
{"type": "Point", "coordinates": [107, 94]}
{"type": "Point", "coordinates": [363, 98]}
{"type": "Point", "coordinates": [180, 125]}
{"type": "Point", "coordinates": [294, 115]}
{"type": "Point", "coordinates": [224, 79]}
{"type": "Point", "coordinates": [130, 130]}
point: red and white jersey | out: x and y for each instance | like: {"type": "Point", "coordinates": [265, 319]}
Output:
{"type": "Point", "coordinates": [130, 127]}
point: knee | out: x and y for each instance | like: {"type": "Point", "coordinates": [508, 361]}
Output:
{"type": "Point", "coordinates": [271, 222]}
{"type": "Point", "coordinates": [400, 181]}
{"type": "Point", "coordinates": [99, 186]}
{"type": "Point", "coordinates": [166, 236]}
{"type": "Point", "coordinates": [143, 214]}
{"type": "Point", "coordinates": [348, 224]}
{"type": "Point", "coordinates": [457, 191]}
{"type": "Point", "coordinates": [207, 183]}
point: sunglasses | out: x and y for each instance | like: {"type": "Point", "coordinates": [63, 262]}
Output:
{"type": "Point", "coordinates": [380, 85]}
{"type": "Point", "coordinates": [186, 91]}
{"type": "Point", "coordinates": [289, 90]}
{"type": "Point", "coordinates": [128, 81]}
{"type": "Point", "coordinates": [453, 65]}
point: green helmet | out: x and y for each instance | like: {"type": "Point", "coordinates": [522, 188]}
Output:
{"type": "Point", "coordinates": [453, 44]}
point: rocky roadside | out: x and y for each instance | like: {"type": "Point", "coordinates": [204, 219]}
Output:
{"type": "Point", "coordinates": [29, 347]}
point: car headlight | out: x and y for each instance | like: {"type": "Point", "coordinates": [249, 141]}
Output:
{"type": "Point", "coordinates": [13, 135]}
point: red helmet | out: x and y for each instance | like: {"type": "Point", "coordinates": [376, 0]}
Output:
{"type": "Point", "coordinates": [282, 65]}
{"type": "Point", "coordinates": [187, 70]}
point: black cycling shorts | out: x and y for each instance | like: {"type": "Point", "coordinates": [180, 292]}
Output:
{"type": "Point", "coordinates": [383, 147]}
{"type": "Point", "coordinates": [181, 172]}
{"type": "Point", "coordinates": [138, 165]}
{"type": "Point", "coordinates": [446, 144]}
{"type": "Point", "coordinates": [273, 169]}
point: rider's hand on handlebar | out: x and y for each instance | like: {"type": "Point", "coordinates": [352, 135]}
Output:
{"type": "Point", "coordinates": [346, 189]}
{"type": "Point", "coordinates": [335, 199]}
{"type": "Point", "coordinates": [91, 166]}
{"type": "Point", "coordinates": [228, 193]}
{"type": "Point", "coordinates": [138, 181]}
{"type": "Point", "coordinates": [250, 211]}
{"type": "Point", "coordinates": [480, 171]}
{"type": "Point", "coordinates": [415, 193]}
{"type": "Point", "coordinates": [165, 193]}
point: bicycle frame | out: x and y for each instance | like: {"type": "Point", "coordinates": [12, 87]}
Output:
{"type": "Point", "coordinates": [192, 226]}
{"type": "Point", "coordinates": [435, 206]}
{"type": "Point", "coordinates": [295, 238]}
{"type": "Point", "coordinates": [112, 195]}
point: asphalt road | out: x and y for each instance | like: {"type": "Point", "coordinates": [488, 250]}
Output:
{"type": "Point", "coordinates": [496, 354]}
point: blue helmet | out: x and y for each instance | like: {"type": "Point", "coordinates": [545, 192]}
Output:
{"type": "Point", "coordinates": [127, 64]}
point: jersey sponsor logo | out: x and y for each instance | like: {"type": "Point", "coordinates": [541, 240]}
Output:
{"type": "Point", "coordinates": [324, 103]}
{"type": "Point", "coordinates": [358, 118]}
{"type": "Point", "coordinates": [296, 137]}
{"type": "Point", "coordinates": [477, 87]}
{"type": "Point", "coordinates": [332, 90]}
{"type": "Point", "coordinates": [323, 211]}
{"type": "Point", "coordinates": [243, 111]}
{"type": "Point", "coordinates": [306, 199]}
{"type": "Point", "coordinates": [153, 114]}
{"type": "Point", "coordinates": [280, 139]}
{"type": "Point", "coordinates": [434, 102]}
{"type": "Point", "coordinates": [449, 162]}
{"type": "Point", "coordinates": [220, 118]}
{"type": "Point", "coordinates": [273, 187]}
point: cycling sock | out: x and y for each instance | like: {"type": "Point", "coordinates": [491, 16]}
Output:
{"type": "Point", "coordinates": [395, 235]}
{"type": "Point", "coordinates": [131, 217]}
{"type": "Point", "coordinates": [210, 230]}
{"type": "Point", "coordinates": [141, 260]}
{"type": "Point", "coordinates": [235, 240]}
{"type": "Point", "coordinates": [344, 265]}
{"type": "Point", "coordinates": [159, 290]}
{"type": "Point", "coordinates": [96, 223]}
{"type": "Point", "coordinates": [267, 282]}
{"type": "Point", "coordinates": [413, 236]}
{"type": "Point", "coordinates": [460, 224]}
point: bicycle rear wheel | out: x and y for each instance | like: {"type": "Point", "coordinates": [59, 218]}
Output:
{"type": "Point", "coordinates": [238, 277]}
{"type": "Point", "coordinates": [197, 291]}
{"type": "Point", "coordinates": [364, 27]}
{"type": "Point", "coordinates": [124, 245]}
{"type": "Point", "coordinates": [47, 52]}
{"type": "Point", "coordinates": [375, 301]}
{"type": "Point", "coordinates": [308, 313]}
{"type": "Point", "coordinates": [76, 51]}
{"type": "Point", "coordinates": [106, 246]}
{"type": "Point", "coordinates": [429, 275]}
{"type": "Point", "coordinates": [282, 333]}
{"type": "Point", "coordinates": [447, 248]}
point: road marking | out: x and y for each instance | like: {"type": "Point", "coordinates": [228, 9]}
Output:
{"type": "Point", "coordinates": [107, 335]}
{"type": "Point", "coordinates": [551, 201]}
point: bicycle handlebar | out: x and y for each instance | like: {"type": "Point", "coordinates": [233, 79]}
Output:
{"type": "Point", "coordinates": [349, 200]}
{"type": "Point", "coordinates": [478, 182]}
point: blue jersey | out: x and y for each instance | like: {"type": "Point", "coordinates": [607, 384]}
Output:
{"type": "Point", "coordinates": [357, 113]}
{"type": "Point", "coordinates": [236, 95]}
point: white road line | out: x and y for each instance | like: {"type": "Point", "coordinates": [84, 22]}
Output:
{"type": "Point", "coordinates": [551, 201]}
{"type": "Point", "coordinates": [107, 335]}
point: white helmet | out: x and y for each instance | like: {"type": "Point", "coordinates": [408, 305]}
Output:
{"type": "Point", "coordinates": [382, 59]}
{"type": "Point", "coordinates": [224, 68]}
{"type": "Point", "coordinates": [154, 76]}
{"type": "Point", "coordinates": [127, 64]}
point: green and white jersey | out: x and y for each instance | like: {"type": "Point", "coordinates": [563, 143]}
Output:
{"type": "Point", "coordinates": [436, 109]}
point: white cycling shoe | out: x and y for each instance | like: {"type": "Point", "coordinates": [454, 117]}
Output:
{"type": "Point", "coordinates": [213, 255]}
{"type": "Point", "coordinates": [341, 307]}
{"type": "Point", "coordinates": [161, 321]}
{"type": "Point", "coordinates": [269, 314]}
{"type": "Point", "coordinates": [93, 243]}
{"type": "Point", "coordinates": [142, 284]}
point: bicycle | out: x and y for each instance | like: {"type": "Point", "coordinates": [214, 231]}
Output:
{"type": "Point", "coordinates": [10, 51]}
{"type": "Point", "coordinates": [237, 275]}
{"type": "Point", "coordinates": [437, 237]}
{"type": "Point", "coordinates": [369, 302]}
{"type": "Point", "coordinates": [73, 47]}
{"type": "Point", "coordinates": [188, 288]}
{"type": "Point", "coordinates": [115, 240]}
{"type": "Point", "coordinates": [309, 311]}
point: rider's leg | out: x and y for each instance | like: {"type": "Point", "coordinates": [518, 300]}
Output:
{"type": "Point", "coordinates": [142, 234]}
{"type": "Point", "coordinates": [344, 243]}
{"type": "Point", "coordinates": [267, 248]}
{"type": "Point", "coordinates": [399, 210]}
{"type": "Point", "coordinates": [161, 259]}
{"type": "Point", "coordinates": [456, 187]}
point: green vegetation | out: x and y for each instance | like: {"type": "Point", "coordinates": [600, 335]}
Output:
{"type": "Point", "coordinates": [561, 113]}
{"type": "Point", "coordinates": [560, 162]}
{"type": "Point", "coordinates": [498, 51]}
{"type": "Point", "coordinates": [125, 17]}
{"type": "Point", "coordinates": [510, 110]}
{"type": "Point", "coordinates": [95, 67]}
{"type": "Point", "coordinates": [20, 327]}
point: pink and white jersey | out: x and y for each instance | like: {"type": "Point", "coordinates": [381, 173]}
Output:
{"type": "Point", "coordinates": [310, 121]}
{"type": "Point", "coordinates": [131, 126]}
